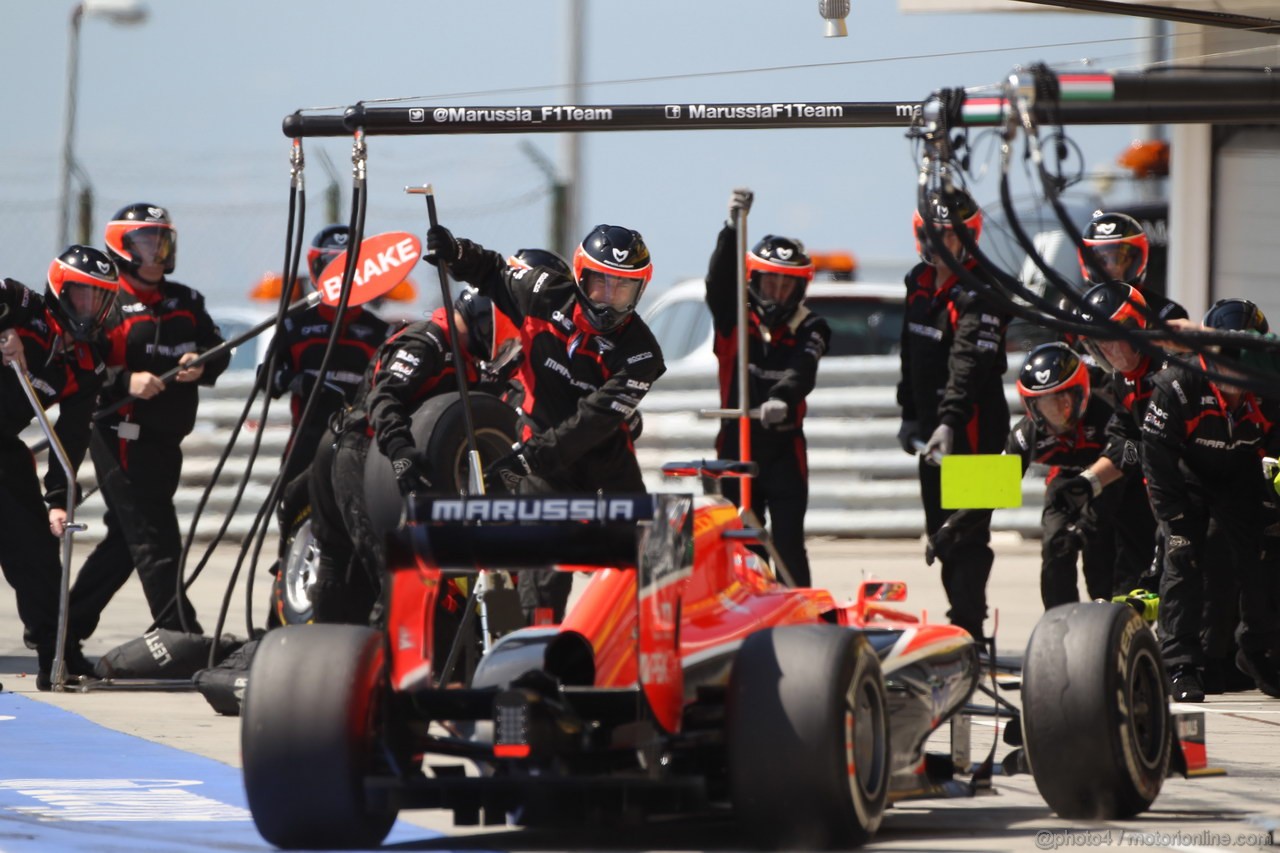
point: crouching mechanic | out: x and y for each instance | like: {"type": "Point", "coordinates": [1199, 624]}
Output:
{"type": "Point", "coordinates": [1064, 429]}
{"type": "Point", "coordinates": [1201, 442]}
{"type": "Point", "coordinates": [785, 340]}
{"type": "Point", "coordinates": [414, 365]}
{"type": "Point", "coordinates": [589, 360]}
{"type": "Point", "coordinates": [55, 339]}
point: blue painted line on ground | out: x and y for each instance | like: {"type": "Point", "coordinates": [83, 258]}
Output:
{"type": "Point", "coordinates": [67, 784]}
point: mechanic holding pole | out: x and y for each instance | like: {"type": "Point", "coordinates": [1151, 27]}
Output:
{"type": "Point", "coordinates": [1202, 440]}
{"type": "Point", "coordinates": [56, 339]}
{"type": "Point", "coordinates": [301, 343]}
{"type": "Point", "coordinates": [785, 341]}
{"type": "Point", "coordinates": [158, 325]}
{"type": "Point", "coordinates": [414, 365]}
{"type": "Point", "coordinates": [952, 392]}
{"type": "Point", "coordinates": [589, 360]}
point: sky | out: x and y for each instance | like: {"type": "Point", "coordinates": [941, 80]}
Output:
{"type": "Point", "coordinates": [184, 110]}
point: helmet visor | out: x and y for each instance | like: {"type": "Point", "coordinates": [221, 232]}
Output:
{"type": "Point", "coordinates": [152, 245]}
{"type": "Point", "coordinates": [318, 261]}
{"type": "Point", "coordinates": [777, 288]}
{"type": "Point", "coordinates": [1115, 355]}
{"type": "Point", "coordinates": [1059, 411]}
{"type": "Point", "coordinates": [606, 290]}
{"type": "Point", "coordinates": [85, 304]}
{"type": "Point", "coordinates": [1119, 261]}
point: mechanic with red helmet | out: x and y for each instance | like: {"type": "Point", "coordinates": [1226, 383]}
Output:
{"type": "Point", "coordinates": [1202, 440]}
{"type": "Point", "coordinates": [1131, 376]}
{"type": "Point", "coordinates": [1121, 248]}
{"type": "Point", "coordinates": [412, 366]}
{"type": "Point", "coordinates": [56, 340]}
{"type": "Point", "coordinates": [158, 325]}
{"type": "Point", "coordinates": [589, 360]}
{"type": "Point", "coordinates": [1065, 429]}
{"type": "Point", "coordinates": [302, 340]}
{"type": "Point", "coordinates": [952, 390]}
{"type": "Point", "coordinates": [785, 340]}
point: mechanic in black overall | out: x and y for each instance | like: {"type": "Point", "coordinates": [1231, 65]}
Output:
{"type": "Point", "coordinates": [56, 339]}
{"type": "Point", "coordinates": [785, 340]}
{"type": "Point", "coordinates": [1065, 427]}
{"type": "Point", "coordinates": [413, 365]}
{"type": "Point", "coordinates": [1202, 441]}
{"type": "Point", "coordinates": [1130, 379]}
{"type": "Point", "coordinates": [157, 325]}
{"type": "Point", "coordinates": [952, 393]}
{"type": "Point", "coordinates": [589, 361]}
{"type": "Point", "coordinates": [301, 342]}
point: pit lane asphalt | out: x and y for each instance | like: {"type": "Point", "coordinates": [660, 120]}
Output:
{"type": "Point", "coordinates": [144, 746]}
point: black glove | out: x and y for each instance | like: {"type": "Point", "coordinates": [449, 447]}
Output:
{"type": "Point", "coordinates": [441, 246]}
{"type": "Point", "coordinates": [635, 423]}
{"type": "Point", "coordinates": [939, 545]}
{"type": "Point", "coordinates": [411, 475]}
{"type": "Point", "coordinates": [505, 474]}
{"type": "Point", "coordinates": [908, 435]}
{"type": "Point", "coordinates": [1072, 497]}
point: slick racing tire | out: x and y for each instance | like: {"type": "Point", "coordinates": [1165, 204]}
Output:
{"type": "Point", "coordinates": [440, 432]}
{"type": "Point", "coordinates": [808, 737]}
{"type": "Point", "coordinates": [1095, 711]}
{"type": "Point", "coordinates": [291, 586]}
{"type": "Point", "coordinates": [312, 729]}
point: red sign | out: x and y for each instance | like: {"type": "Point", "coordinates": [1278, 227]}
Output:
{"type": "Point", "coordinates": [385, 260]}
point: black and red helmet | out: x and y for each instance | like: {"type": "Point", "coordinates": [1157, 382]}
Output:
{"type": "Point", "coordinates": [141, 235]}
{"type": "Point", "coordinates": [329, 242]}
{"type": "Point", "coordinates": [530, 258]}
{"type": "Point", "coordinates": [1054, 386]}
{"type": "Point", "coordinates": [1121, 304]}
{"type": "Point", "coordinates": [944, 215]}
{"type": "Point", "coordinates": [778, 272]}
{"type": "Point", "coordinates": [1235, 315]}
{"type": "Point", "coordinates": [1120, 245]}
{"type": "Point", "coordinates": [81, 290]}
{"type": "Point", "coordinates": [611, 269]}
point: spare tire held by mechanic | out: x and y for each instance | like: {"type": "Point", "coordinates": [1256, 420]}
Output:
{"type": "Point", "coordinates": [413, 365]}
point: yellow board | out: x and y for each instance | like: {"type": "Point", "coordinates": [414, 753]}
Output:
{"type": "Point", "coordinates": [981, 481]}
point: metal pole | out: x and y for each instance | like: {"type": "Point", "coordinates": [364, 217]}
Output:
{"type": "Point", "coordinates": [744, 372]}
{"type": "Point", "coordinates": [64, 589]}
{"type": "Point", "coordinates": [68, 159]}
{"type": "Point", "coordinates": [572, 142]}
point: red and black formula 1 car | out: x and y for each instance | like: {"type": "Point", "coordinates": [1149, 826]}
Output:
{"type": "Point", "coordinates": [684, 678]}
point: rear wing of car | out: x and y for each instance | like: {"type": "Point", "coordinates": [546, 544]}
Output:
{"type": "Point", "coordinates": [650, 533]}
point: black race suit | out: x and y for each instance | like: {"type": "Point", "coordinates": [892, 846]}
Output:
{"type": "Point", "coordinates": [1062, 541]}
{"type": "Point", "coordinates": [783, 365]}
{"type": "Point", "coordinates": [1201, 457]}
{"type": "Point", "coordinates": [301, 341]}
{"type": "Point", "coordinates": [413, 365]}
{"type": "Point", "coordinates": [147, 331]}
{"type": "Point", "coordinates": [953, 361]}
{"type": "Point", "coordinates": [69, 376]}
{"type": "Point", "coordinates": [580, 387]}
{"type": "Point", "coordinates": [1133, 522]}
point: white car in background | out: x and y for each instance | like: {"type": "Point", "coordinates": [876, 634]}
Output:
{"type": "Point", "coordinates": [865, 319]}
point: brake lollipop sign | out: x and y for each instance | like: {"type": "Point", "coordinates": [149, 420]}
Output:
{"type": "Point", "coordinates": [385, 260]}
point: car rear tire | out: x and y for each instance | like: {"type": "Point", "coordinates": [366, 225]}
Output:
{"type": "Point", "coordinates": [808, 737]}
{"type": "Point", "coordinates": [440, 432]}
{"type": "Point", "coordinates": [311, 733]}
{"type": "Point", "coordinates": [1095, 711]}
